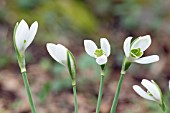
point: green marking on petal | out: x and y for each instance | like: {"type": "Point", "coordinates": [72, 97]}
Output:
{"type": "Point", "coordinates": [136, 53]}
{"type": "Point", "coordinates": [25, 41]}
{"type": "Point", "coordinates": [149, 93]}
{"type": "Point", "coordinates": [99, 52]}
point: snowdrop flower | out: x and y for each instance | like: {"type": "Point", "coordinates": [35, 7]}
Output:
{"type": "Point", "coordinates": [134, 51]}
{"type": "Point", "coordinates": [153, 91]}
{"type": "Point", "coordinates": [23, 35]}
{"type": "Point", "coordinates": [100, 54]}
{"type": "Point", "coordinates": [62, 55]}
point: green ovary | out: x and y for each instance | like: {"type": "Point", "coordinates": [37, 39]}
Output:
{"type": "Point", "coordinates": [136, 53]}
{"type": "Point", "coordinates": [99, 52]}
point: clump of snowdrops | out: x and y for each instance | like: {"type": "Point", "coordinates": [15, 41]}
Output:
{"type": "Point", "coordinates": [134, 50]}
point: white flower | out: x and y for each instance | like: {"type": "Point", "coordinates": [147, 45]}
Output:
{"type": "Point", "coordinates": [100, 54]}
{"type": "Point", "coordinates": [62, 55]}
{"type": "Point", "coordinates": [153, 91]}
{"type": "Point", "coordinates": [24, 35]}
{"type": "Point", "coordinates": [134, 51]}
{"type": "Point", "coordinates": [58, 52]}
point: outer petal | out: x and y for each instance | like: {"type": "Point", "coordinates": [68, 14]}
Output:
{"type": "Point", "coordinates": [32, 33]}
{"type": "Point", "coordinates": [102, 60]}
{"type": "Point", "coordinates": [151, 88]}
{"type": "Point", "coordinates": [148, 59]}
{"type": "Point", "coordinates": [21, 34]}
{"type": "Point", "coordinates": [90, 47]}
{"type": "Point", "coordinates": [142, 93]}
{"type": "Point", "coordinates": [142, 42]}
{"type": "Point", "coordinates": [105, 46]}
{"type": "Point", "coordinates": [58, 52]}
{"type": "Point", "coordinates": [126, 46]}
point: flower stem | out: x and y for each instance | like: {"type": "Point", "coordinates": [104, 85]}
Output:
{"type": "Point", "coordinates": [24, 75]}
{"type": "Point", "coordinates": [113, 109]}
{"type": "Point", "coordinates": [125, 66]}
{"type": "Point", "coordinates": [75, 99]}
{"type": "Point", "coordinates": [100, 92]}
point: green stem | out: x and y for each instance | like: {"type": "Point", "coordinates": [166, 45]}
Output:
{"type": "Point", "coordinates": [100, 92]}
{"type": "Point", "coordinates": [125, 66]}
{"type": "Point", "coordinates": [24, 75]}
{"type": "Point", "coordinates": [75, 99]}
{"type": "Point", "coordinates": [113, 109]}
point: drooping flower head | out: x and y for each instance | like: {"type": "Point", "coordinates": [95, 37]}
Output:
{"type": "Point", "coordinates": [62, 55]}
{"type": "Point", "coordinates": [23, 35]}
{"type": "Point", "coordinates": [134, 51]}
{"type": "Point", "coordinates": [153, 92]}
{"type": "Point", "coordinates": [100, 54]}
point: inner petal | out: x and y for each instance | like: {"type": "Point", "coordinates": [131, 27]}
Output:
{"type": "Point", "coordinates": [136, 53]}
{"type": "Point", "coordinates": [99, 52]}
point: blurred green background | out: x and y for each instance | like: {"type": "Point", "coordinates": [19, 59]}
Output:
{"type": "Point", "coordinates": [69, 22]}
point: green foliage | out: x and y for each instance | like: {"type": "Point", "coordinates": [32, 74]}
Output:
{"type": "Point", "coordinates": [28, 4]}
{"type": "Point", "coordinates": [57, 69]}
{"type": "Point", "coordinates": [55, 17]}
{"type": "Point", "coordinates": [167, 98]}
{"type": "Point", "coordinates": [62, 79]}
{"type": "Point", "coordinates": [44, 91]}
{"type": "Point", "coordinates": [154, 108]}
{"type": "Point", "coordinates": [87, 62]}
{"type": "Point", "coordinates": [45, 63]}
{"type": "Point", "coordinates": [61, 84]}
{"type": "Point", "coordinates": [16, 104]}
{"type": "Point", "coordinates": [4, 61]}
{"type": "Point", "coordinates": [139, 13]}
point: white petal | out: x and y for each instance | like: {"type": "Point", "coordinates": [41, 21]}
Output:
{"type": "Point", "coordinates": [126, 46]}
{"type": "Point", "coordinates": [32, 33]}
{"type": "Point", "coordinates": [148, 59]}
{"type": "Point", "coordinates": [142, 42]}
{"type": "Point", "coordinates": [105, 46]}
{"type": "Point", "coordinates": [58, 52]}
{"type": "Point", "coordinates": [90, 47]}
{"type": "Point", "coordinates": [142, 93]}
{"type": "Point", "coordinates": [151, 88]}
{"type": "Point", "coordinates": [102, 60]}
{"type": "Point", "coordinates": [21, 33]}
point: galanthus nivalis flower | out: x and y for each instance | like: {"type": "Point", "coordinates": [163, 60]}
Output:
{"type": "Point", "coordinates": [23, 35]}
{"type": "Point", "coordinates": [100, 54]}
{"type": "Point", "coordinates": [62, 55]}
{"type": "Point", "coordinates": [134, 51]}
{"type": "Point", "coordinates": [153, 91]}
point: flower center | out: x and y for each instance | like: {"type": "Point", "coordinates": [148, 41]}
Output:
{"type": "Point", "coordinates": [136, 53]}
{"type": "Point", "coordinates": [99, 52]}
